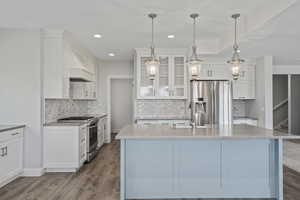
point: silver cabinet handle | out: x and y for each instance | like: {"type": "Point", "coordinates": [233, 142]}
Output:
{"type": "Point", "coordinates": [17, 133]}
{"type": "Point", "coordinates": [4, 151]}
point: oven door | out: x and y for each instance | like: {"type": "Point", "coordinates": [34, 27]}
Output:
{"type": "Point", "coordinates": [93, 138]}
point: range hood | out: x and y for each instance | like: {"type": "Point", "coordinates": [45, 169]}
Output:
{"type": "Point", "coordinates": [78, 71]}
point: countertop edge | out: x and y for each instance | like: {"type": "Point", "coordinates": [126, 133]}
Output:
{"type": "Point", "coordinates": [12, 127]}
{"type": "Point", "coordinates": [204, 137]}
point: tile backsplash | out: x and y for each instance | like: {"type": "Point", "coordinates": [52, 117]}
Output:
{"type": "Point", "coordinates": [239, 108]}
{"type": "Point", "coordinates": [59, 108]}
{"type": "Point", "coordinates": [149, 109]}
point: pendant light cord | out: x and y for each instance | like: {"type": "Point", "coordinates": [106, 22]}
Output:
{"type": "Point", "coordinates": [194, 32]}
{"type": "Point", "coordinates": [152, 43]}
{"type": "Point", "coordinates": [235, 46]}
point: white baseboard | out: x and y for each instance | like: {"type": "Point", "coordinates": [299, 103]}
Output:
{"type": "Point", "coordinates": [27, 172]}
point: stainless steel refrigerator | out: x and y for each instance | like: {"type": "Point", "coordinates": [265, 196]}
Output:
{"type": "Point", "coordinates": [211, 102]}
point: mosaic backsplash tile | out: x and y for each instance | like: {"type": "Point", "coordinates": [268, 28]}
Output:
{"type": "Point", "coordinates": [239, 108]}
{"type": "Point", "coordinates": [59, 108]}
{"type": "Point", "coordinates": [162, 109]}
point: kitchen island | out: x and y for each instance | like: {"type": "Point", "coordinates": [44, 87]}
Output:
{"type": "Point", "coordinates": [238, 161]}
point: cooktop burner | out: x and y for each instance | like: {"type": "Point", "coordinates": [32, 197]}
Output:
{"type": "Point", "coordinates": [76, 118]}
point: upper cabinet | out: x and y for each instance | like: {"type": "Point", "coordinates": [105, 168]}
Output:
{"type": "Point", "coordinates": [215, 71]}
{"type": "Point", "coordinates": [64, 62]}
{"type": "Point", "coordinates": [56, 74]}
{"type": "Point", "coordinates": [244, 87]}
{"type": "Point", "coordinates": [171, 80]}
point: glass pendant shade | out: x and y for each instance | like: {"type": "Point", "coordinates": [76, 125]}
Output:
{"type": "Point", "coordinates": [235, 61]}
{"type": "Point", "coordinates": [194, 62]}
{"type": "Point", "coordinates": [152, 68]}
{"type": "Point", "coordinates": [235, 64]}
{"type": "Point", "coordinates": [194, 65]}
{"type": "Point", "coordinates": [152, 65]}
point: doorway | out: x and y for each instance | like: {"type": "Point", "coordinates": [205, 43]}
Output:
{"type": "Point", "coordinates": [281, 103]}
{"type": "Point", "coordinates": [121, 103]}
{"type": "Point", "coordinates": [286, 101]}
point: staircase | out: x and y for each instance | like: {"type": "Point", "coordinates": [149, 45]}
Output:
{"type": "Point", "coordinates": [282, 126]}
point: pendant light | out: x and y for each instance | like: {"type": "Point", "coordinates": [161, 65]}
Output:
{"type": "Point", "coordinates": [152, 65]}
{"type": "Point", "coordinates": [194, 62]}
{"type": "Point", "coordinates": [235, 61]}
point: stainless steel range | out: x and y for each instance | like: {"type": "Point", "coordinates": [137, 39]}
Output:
{"type": "Point", "coordinates": [92, 137]}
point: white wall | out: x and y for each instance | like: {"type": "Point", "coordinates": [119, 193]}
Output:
{"type": "Point", "coordinates": [111, 68]}
{"type": "Point", "coordinates": [20, 88]}
{"type": "Point", "coordinates": [286, 69]}
{"type": "Point", "coordinates": [262, 106]}
{"type": "Point", "coordinates": [121, 104]}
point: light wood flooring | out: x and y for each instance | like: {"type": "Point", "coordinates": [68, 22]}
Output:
{"type": "Point", "coordinates": [98, 180]}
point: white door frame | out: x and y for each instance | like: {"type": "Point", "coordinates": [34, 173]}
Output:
{"type": "Point", "coordinates": [109, 80]}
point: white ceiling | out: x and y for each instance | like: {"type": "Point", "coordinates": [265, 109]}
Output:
{"type": "Point", "coordinates": [267, 27]}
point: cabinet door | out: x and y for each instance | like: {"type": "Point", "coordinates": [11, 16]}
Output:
{"type": "Point", "coordinates": [101, 131]}
{"type": "Point", "coordinates": [220, 71]}
{"type": "Point", "coordinates": [243, 89]}
{"type": "Point", "coordinates": [83, 144]}
{"type": "Point", "coordinates": [90, 90]}
{"type": "Point", "coordinates": [205, 71]}
{"type": "Point", "coordinates": [11, 161]}
{"type": "Point", "coordinates": [179, 77]}
{"type": "Point", "coordinates": [247, 73]}
{"type": "Point", "coordinates": [146, 87]}
{"type": "Point", "coordinates": [164, 77]}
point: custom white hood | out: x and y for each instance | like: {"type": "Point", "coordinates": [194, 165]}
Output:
{"type": "Point", "coordinates": [78, 71]}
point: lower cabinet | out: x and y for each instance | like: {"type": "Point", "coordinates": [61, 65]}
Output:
{"type": "Point", "coordinates": [173, 168]}
{"type": "Point", "coordinates": [11, 155]}
{"type": "Point", "coordinates": [65, 148]}
{"type": "Point", "coordinates": [102, 128]}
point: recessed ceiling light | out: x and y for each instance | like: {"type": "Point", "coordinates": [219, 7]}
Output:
{"type": "Point", "coordinates": [97, 36]}
{"type": "Point", "coordinates": [111, 54]}
{"type": "Point", "coordinates": [171, 36]}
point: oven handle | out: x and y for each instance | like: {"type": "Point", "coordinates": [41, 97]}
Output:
{"type": "Point", "coordinates": [92, 126]}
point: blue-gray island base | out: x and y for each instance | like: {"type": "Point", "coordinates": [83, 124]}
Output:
{"type": "Point", "coordinates": [215, 162]}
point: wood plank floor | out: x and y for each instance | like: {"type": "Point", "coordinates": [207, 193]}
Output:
{"type": "Point", "coordinates": [98, 180]}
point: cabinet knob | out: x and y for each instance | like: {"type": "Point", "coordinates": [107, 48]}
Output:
{"type": "Point", "coordinates": [4, 151]}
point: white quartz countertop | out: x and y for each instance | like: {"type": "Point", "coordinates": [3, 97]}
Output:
{"type": "Point", "coordinates": [10, 127]}
{"type": "Point", "coordinates": [213, 132]}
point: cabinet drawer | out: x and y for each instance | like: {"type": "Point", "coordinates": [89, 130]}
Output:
{"type": "Point", "coordinates": [11, 134]}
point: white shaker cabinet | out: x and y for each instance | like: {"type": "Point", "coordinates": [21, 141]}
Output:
{"type": "Point", "coordinates": [244, 87]}
{"type": "Point", "coordinates": [56, 75]}
{"type": "Point", "coordinates": [65, 147]}
{"type": "Point", "coordinates": [102, 128]}
{"type": "Point", "coordinates": [171, 79]}
{"type": "Point", "coordinates": [215, 71]}
{"type": "Point", "coordinates": [83, 90]}
{"type": "Point", "coordinates": [11, 155]}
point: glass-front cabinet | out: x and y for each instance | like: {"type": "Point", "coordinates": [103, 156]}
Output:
{"type": "Point", "coordinates": [146, 86]}
{"type": "Point", "coordinates": [170, 81]}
